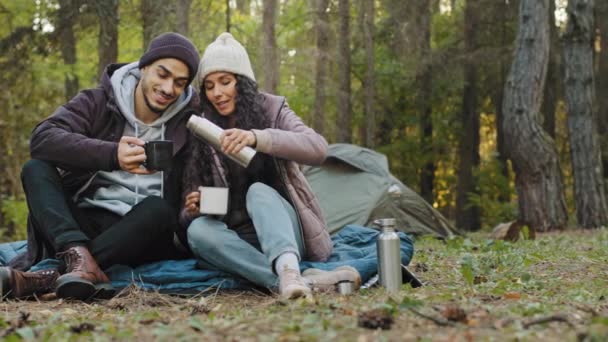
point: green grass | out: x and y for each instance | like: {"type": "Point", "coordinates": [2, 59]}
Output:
{"type": "Point", "coordinates": [476, 289]}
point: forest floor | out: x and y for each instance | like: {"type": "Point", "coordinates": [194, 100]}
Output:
{"type": "Point", "coordinates": [552, 288]}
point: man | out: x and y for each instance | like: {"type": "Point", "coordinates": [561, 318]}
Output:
{"type": "Point", "coordinates": [92, 204]}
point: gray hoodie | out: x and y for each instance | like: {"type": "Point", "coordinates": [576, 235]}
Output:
{"type": "Point", "coordinates": [119, 190]}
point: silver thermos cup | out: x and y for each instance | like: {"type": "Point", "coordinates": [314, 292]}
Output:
{"type": "Point", "coordinates": [210, 132]}
{"type": "Point", "coordinates": [389, 255]}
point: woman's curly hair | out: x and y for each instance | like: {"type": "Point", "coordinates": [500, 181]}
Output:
{"type": "Point", "coordinates": [249, 115]}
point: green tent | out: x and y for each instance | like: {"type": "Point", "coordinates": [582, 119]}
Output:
{"type": "Point", "coordinates": [355, 186]}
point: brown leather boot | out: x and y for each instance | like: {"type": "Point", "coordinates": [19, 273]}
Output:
{"type": "Point", "coordinates": [81, 276]}
{"type": "Point", "coordinates": [18, 284]}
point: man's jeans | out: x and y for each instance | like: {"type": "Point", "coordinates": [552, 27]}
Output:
{"type": "Point", "coordinates": [144, 234]}
{"type": "Point", "coordinates": [277, 228]}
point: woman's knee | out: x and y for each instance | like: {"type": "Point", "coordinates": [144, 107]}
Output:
{"type": "Point", "coordinates": [260, 192]}
{"type": "Point", "coordinates": [203, 233]}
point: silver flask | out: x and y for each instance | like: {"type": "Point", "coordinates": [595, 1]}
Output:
{"type": "Point", "coordinates": [210, 132]}
{"type": "Point", "coordinates": [389, 255]}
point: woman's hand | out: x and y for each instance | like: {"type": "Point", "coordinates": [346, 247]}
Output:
{"type": "Point", "coordinates": [233, 140]}
{"type": "Point", "coordinates": [191, 205]}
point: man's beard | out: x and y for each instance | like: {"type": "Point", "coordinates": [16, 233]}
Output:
{"type": "Point", "coordinates": [152, 108]}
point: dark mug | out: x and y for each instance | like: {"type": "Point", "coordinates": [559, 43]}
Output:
{"type": "Point", "coordinates": [159, 154]}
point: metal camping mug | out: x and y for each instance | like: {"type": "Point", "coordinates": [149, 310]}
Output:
{"type": "Point", "coordinates": [210, 132]}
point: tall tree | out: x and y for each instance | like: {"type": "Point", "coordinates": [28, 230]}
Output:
{"type": "Point", "coordinates": [504, 14]}
{"type": "Point", "coordinates": [369, 84]}
{"type": "Point", "coordinates": [67, 14]}
{"type": "Point", "coordinates": [579, 88]}
{"type": "Point", "coordinates": [467, 213]}
{"type": "Point", "coordinates": [538, 179]}
{"type": "Point", "coordinates": [243, 6]}
{"type": "Point", "coordinates": [229, 15]}
{"type": "Point", "coordinates": [158, 17]}
{"type": "Point", "coordinates": [321, 63]}
{"type": "Point", "coordinates": [344, 129]}
{"type": "Point", "coordinates": [270, 51]}
{"type": "Point", "coordinates": [182, 14]}
{"type": "Point", "coordinates": [551, 95]}
{"type": "Point", "coordinates": [602, 79]}
{"type": "Point", "coordinates": [107, 41]}
{"type": "Point", "coordinates": [424, 78]}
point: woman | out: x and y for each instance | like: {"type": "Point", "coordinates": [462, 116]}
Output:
{"type": "Point", "coordinates": [274, 220]}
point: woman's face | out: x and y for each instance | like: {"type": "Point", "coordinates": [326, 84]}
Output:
{"type": "Point", "coordinates": [220, 89]}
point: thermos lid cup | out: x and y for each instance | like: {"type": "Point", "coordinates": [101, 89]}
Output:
{"type": "Point", "coordinates": [385, 222]}
{"type": "Point", "coordinates": [346, 287]}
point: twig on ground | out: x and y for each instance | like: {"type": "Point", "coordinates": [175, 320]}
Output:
{"type": "Point", "coordinates": [547, 319]}
{"type": "Point", "coordinates": [587, 309]}
{"type": "Point", "coordinates": [438, 321]}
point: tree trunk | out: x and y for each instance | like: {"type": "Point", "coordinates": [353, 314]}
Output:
{"type": "Point", "coordinates": [68, 9]}
{"type": "Point", "coordinates": [107, 42]}
{"type": "Point", "coordinates": [344, 128]}
{"type": "Point", "coordinates": [602, 80]}
{"type": "Point", "coordinates": [579, 88]}
{"type": "Point", "coordinates": [157, 18]}
{"type": "Point", "coordinates": [370, 74]}
{"type": "Point", "coordinates": [532, 152]}
{"type": "Point", "coordinates": [467, 213]}
{"type": "Point", "coordinates": [229, 15]}
{"type": "Point", "coordinates": [243, 6]}
{"type": "Point", "coordinates": [504, 15]}
{"type": "Point", "coordinates": [322, 63]}
{"type": "Point", "coordinates": [551, 95]}
{"type": "Point", "coordinates": [424, 78]}
{"type": "Point", "coordinates": [270, 50]}
{"type": "Point", "coordinates": [182, 14]}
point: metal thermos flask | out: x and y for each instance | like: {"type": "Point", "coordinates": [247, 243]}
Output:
{"type": "Point", "coordinates": [389, 255]}
{"type": "Point", "coordinates": [210, 132]}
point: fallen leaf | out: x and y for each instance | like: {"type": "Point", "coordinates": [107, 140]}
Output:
{"type": "Point", "coordinates": [512, 295]}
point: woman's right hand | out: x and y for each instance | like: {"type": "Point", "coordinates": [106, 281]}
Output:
{"type": "Point", "coordinates": [191, 206]}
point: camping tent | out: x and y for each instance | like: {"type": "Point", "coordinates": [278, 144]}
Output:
{"type": "Point", "coordinates": [355, 186]}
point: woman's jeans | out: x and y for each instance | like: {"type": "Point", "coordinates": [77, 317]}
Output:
{"type": "Point", "coordinates": [277, 228]}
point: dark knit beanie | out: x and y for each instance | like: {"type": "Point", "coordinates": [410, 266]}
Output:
{"type": "Point", "coordinates": [172, 45]}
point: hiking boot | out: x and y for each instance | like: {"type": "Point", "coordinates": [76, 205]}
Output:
{"type": "Point", "coordinates": [18, 284]}
{"type": "Point", "coordinates": [81, 275]}
{"type": "Point", "coordinates": [292, 285]}
{"type": "Point", "coordinates": [321, 280]}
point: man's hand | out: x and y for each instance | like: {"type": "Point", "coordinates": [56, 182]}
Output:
{"type": "Point", "coordinates": [233, 140]}
{"type": "Point", "coordinates": [131, 154]}
{"type": "Point", "coordinates": [191, 206]}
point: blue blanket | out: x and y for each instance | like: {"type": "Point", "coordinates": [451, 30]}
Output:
{"type": "Point", "coordinates": [353, 245]}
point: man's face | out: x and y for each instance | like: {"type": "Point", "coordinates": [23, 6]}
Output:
{"type": "Point", "coordinates": [162, 82]}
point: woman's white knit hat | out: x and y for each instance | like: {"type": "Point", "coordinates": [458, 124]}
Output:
{"type": "Point", "coordinates": [225, 54]}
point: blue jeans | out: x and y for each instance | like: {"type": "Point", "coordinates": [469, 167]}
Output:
{"type": "Point", "coordinates": [277, 228]}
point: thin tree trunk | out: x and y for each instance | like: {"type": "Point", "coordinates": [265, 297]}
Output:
{"type": "Point", "coordinates": [532, 152]}
{"type": "Point", "coordinates": [157, 17]}
{"type": "Point", "coordinates": [579, 87]}
{"type": "Point", "coordinates": [602, 79]}
{"type": "Point", "coordinates": [322, 63]}
{"type": "Point", "coordinates": [243, 6]}
{"type": "Point", "coordinates": [424, 78]}
{"type": "Point", "coordinates": [505, 16]}
{"type": "Point", "coordinates": [467, 213]}
{"type": "Point", "coordinates": [107, 42]}
{"type": "Point", "coordinates": [229, 15]}
{"type": "Point", "coordinates": [344, 105]}
{"type": "Point", "coordinates": [182, 14]}
{"type": "Point", "coordinates": [551, 95]}
{"type": "Point", "coordinates": [68, 9]}
{"type": "Point", "coordinates": [270, 50]}
{"type": "Point", "coordinates": [369, 84]}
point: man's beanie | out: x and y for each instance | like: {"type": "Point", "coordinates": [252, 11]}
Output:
{"type": "Point", "coordinates": [225, 54]}
{"type": "Point", "coordinates": [172, 45]}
